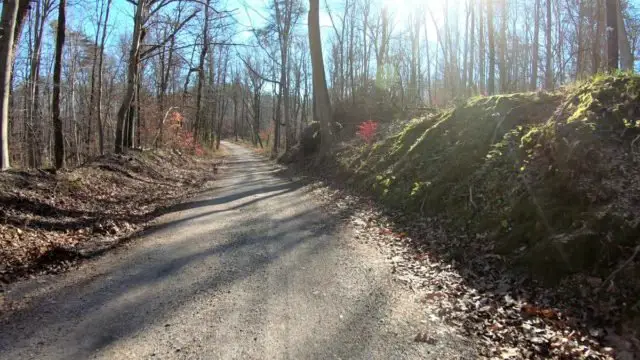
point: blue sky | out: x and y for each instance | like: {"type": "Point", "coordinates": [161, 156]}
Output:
{"type": "Point", "coordinates": [249, 12]}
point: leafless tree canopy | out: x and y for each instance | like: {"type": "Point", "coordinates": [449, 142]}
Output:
{"type": "Point", "coordinates": [117, 76]}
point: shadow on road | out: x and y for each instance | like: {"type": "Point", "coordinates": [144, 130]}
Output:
{"type": "Point", "coordinates": [148, 284]}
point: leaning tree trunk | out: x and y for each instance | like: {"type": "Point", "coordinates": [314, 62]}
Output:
{"type": "Point", "coordinates": [7, 27]}
{"type": "Point", "coordinates": [320, 93]}
{"type": "Point", "coordinates": [55, 102]}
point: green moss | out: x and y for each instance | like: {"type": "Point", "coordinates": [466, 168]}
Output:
{"type": "Point", "coordinates": [531, 169]}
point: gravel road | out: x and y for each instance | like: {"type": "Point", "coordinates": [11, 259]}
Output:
{"type": "Point", "coordinates": [252, 270]}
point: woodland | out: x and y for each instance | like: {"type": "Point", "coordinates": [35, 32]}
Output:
{"type": "Point", "coordinates": [495, 142]}
{"type": "Point", "coordinates": [83, 79]}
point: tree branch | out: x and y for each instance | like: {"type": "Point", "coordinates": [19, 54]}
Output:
{"type": "Point", "coordinates": [258, 74]}
{"type": "Point", "coordinates": [168, 38]}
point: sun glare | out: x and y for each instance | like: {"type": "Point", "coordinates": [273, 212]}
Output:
{"type": "Point", "coordinates": [402, 8]}
{"type": "Point", "coordinates": [429, 10]}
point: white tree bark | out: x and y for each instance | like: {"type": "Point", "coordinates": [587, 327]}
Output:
{"type": "Point", "coordinates": [7, 24]}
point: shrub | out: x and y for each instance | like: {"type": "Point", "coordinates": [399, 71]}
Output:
{"type": "Point", "coordinates": [367, 131]}
{"type": "Point", "coordinates": [178, 137]}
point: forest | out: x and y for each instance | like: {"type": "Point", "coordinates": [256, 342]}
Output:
{"type": "Point", "coordinates": [83, 79]}
{"type": "Point", "coordinates": [320, 179]}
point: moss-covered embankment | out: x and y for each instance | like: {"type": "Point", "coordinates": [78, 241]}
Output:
{"type": "Point", "coordinates": [549, 180]}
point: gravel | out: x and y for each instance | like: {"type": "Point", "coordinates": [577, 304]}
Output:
{"type": "Point", "coordinates": [256, 269]}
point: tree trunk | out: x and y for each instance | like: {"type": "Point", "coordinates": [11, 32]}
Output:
{"type": "Point", "coordinates": [626, 57]}
{"type": "Point", "coordinates": [380, 56]}
{"type": "Point", "coordinates": [536, 47]}
{"type": "Point", "coordinates": [597, 38]}
{"type": "Point", "coordinates": [548, 78]}
{"type": "Point", "coordinates": [92, 93]}
{"type": "Point", "coordinates": [413, 75]}
{"type": "Point", "coordinates": [203, 55]}
{"type": "Point", "coordinates": [321, 95]}
{"type": "Point", "coordinates": [32, 129]}
{"type": "Point", "coordinates": [99, 94]}
{"type": "Point", "coordinates": [465, 50]}
{"type": "Point", "coordinates": [481, 49]}
{"type": "Point", "coordinates": [55, 102]}
{"type": "Point", "coordinates": [164, 83]}
{"type": "Point", "coordinates": [138, 128]}
{"type": "Point", "coordinates": [365, 56]}
{"type": "Point", "coordinates": [491, 86]}
{"type": "Point", "coordinates": [235, 116]}
{"type": "Point", "coordinates": [580, 30]}
{"type": "Point", "coordinates": [7, 35]}
{"type": "Point", "coordinates": [132, 70]}
{"type": "Point", "coordinates": [256, 116]}
{"type": "Point", "coordinates": [612, 35]}
{"type": "Point", "coordinates": [426, 39]}
{"type": "Point", "coordinates": [560, 47]}
{"type": "Point", "coordinates": [351, 56]}
{"type": "Point", "coordinates": [504, 81]}
{"type": "Point", "coordinates": [472, 41]}
{"type": "Point", "coordinates": [284, 17]}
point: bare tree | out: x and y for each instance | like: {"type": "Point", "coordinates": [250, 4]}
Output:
{"type": "Point", "coordinates": [201, 75]}
{"type": "Point", "coordinates": [100, 76]}
{"type": "Point", "coordinates": [491, 86]}
{"type": "Point", "coordinates": [481, 48]}
{"type": "Point", "coordinates": [132, 68]}
{"type": "Point", "coordinates": [7, 29]}
{"type": "Point", "coordinates": [503, 47]}
{"type": "Point", "coordinates": [458, 49]}
{"type": "Point", "coordinates": [548, 78]}
{"type": "Point", "coordinates": [626, 57]}
{"type": "Point", "coordinates": [322, 105]}
{"type": "Point", "coordinates": [143, 9]}
{"type": "Point", "coordinates": [57, 72]}
{"type": "Point", "coordinates": [471, 44]}
{"type": "Point", "coordinates": [535, 46]}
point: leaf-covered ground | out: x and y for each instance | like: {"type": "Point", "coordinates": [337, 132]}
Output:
{"type": "Point", "coordinates": [517, 215]}
{"type": "Point", "coordinates": [507, 316]}
{"type": "Point", "coordinates": [48, 221]}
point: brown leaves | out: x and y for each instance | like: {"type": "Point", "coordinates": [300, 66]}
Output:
{"type": "Point", "coordinates": [532, 310]}
{"type": "Point", "coordinates": [504, 317]}
{"type": "Point", "coordinates": [43, 216]}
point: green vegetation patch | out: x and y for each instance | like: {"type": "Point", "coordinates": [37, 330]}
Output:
{"type": "Point", "coordinates": [551, 179]}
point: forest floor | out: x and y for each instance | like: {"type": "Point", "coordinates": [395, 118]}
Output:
{"type": "Point", "coordinates": [504, 314]}
{"type": "Point", "coordinates": [48, 221]}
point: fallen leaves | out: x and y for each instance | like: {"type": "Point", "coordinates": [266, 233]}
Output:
{"type": "Point", "coordinates": [48, 221]}
{"type": "Point", "coordinates": [533, 310]}
{"type": "Point", "coordinates": [507, 315]}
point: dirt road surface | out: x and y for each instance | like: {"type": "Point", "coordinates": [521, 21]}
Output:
{"type": "Point", "coordinates": [252, 270]}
